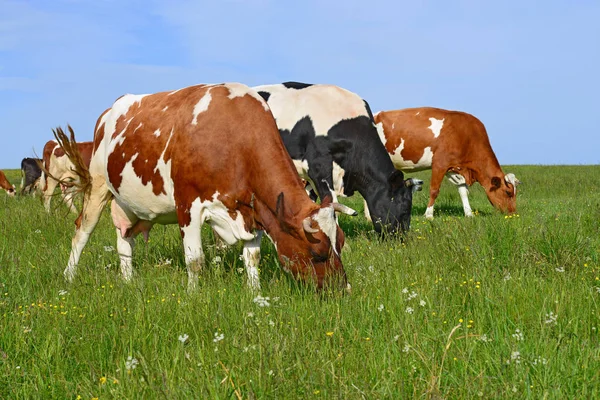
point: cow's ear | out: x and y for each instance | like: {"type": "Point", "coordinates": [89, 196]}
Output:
{"type": "Point", "coordinates": [496, 183]}
{"type": "Point", "coordinates": [280, 215]}
{"type": "Point", "coordinates": [396, 180]}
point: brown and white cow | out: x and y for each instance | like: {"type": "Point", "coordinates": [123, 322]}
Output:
{"type": "Point", "coordinates": [206, 153]}
{"type": "Point", "coordinates": [450, 143]}
{"type": "Point", "coordinates": [60, 167]}
{"type": "Point", "coordinates": [6, 185]}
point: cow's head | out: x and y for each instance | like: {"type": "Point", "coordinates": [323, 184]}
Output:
{"type": "Point", "coordinates": [11, 191]}
{"type": "Point", "coordinates": [502, 192]}
{"type": "Point", "coordinates": [391, 210]}
{"type": "Point", "coordinates": [309, 244]}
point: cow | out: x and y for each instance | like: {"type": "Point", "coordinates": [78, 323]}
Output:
{"type": "Point", "coordinates": [30, 175]}
{"type": "Point", "coordinates": [205, 153]}
{"type": "Point", "coordinates": [58, 167]}
{"type": "Point", "coordinates": [6, 185]}
{"type": "Point", "coordinates": [330, 134]}
{"type": "Point", "coordinates": [450, 143]}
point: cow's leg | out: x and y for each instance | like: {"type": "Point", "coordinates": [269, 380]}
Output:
{"type": "Point", "coordinates": [251, 259]}
{"type": "Point", "coordinates": [49, 192]}
{"type": "Point", "coordinates": [367, 213]}
{"type": "Point", "coordinates": [437, 175]}
{"type": "Point", "coordinates": [124, 221]}
{"type": "Point", "coordinates": [192, 240]}
{"type": "Point", "coordinates": [68, 197]}
{"type": "Point", "coordinates": [463, 191]}
{"type": "Point", "coordinates": [93, 204]}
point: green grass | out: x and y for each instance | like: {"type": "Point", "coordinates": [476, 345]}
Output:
{"type": "Point", "coordinates": [437, 316]}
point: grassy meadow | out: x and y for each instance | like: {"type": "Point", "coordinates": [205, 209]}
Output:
{"type": "Point", "coordinates": [487, 307]}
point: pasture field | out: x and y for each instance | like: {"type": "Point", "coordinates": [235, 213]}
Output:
{"type": "Point", "coordinates": [487, 307]}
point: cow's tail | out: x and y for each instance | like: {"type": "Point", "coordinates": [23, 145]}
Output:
{"type": "Point", "coordinates": [69, 145]}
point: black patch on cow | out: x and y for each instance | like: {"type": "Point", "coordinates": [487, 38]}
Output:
{"type": "Point", "coordinates": [264, 95]}
{"type": "Point", "coordinates": [296, 85]}
{"type": "Point", "coordinates": [296, 142]}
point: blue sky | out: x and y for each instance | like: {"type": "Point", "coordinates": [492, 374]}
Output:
{"type": "Point", "coordinates": [529, 70]}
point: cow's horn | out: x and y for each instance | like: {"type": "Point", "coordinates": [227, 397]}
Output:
{"type": "Point", "coordinates": [511, 178]}
{"type": "Point", "coordinates": [307, 227]}
{"type": "Point", "coordinates": [344, 209]}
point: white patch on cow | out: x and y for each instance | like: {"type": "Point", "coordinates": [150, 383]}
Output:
{"type": "Point", "coordinates": [141, 199]}
{"type": "Point", "coordinates": [418, 112]}
{"type": "Point", "coordinates": [239, 90]}
{"type": "Point", "coordinates": [463, 191]}
{"type": "Point", "coordinates": [325, 217]}
{"type": "Point", "coordinates": [201, 106]}
{"type": "Point", "coordinates": [229, 229]}
{"type": "Point", "coordinates": [165, 109]}
{"type": "Point", "coordinates": [456, 179]}
{"type": "Point", "coordinates": [393, 125]}
{"type": "Point", "coordinates": [381, 132]}
{"type": "Point", "coordinates": [175, 91]}
{"type": "Point", "coordinates": [192, 243]}
{"type": "Point", "coordinates": [302, 169]}
{"type": "Point", "coordinates": [326, 105]}
{"type": "Point", "coordinates": [137, 127]}
{"type": "Point", "coordinates": [157, 133]}
{"type": "Point", "coordinates": [338, 179]}
{"type": "Point", "coordinates": [436, 126]}
{"type": "Point", "coordinates": [407, 165]}
{"type": "Point", "coordinates": [119, 109]}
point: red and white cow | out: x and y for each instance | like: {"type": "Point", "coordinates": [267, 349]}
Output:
{"type": "Point", "coordinates": [60, 167]}
{"type": "Point", "coordinates": [6, 185]}
{"type": "Point", "coordinates": [206, 153]}
{"type": "Point", "coordinates": [450, 143]}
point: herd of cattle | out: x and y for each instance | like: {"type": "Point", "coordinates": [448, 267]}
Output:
{"type": "Point", "coordinates": [252, 160]}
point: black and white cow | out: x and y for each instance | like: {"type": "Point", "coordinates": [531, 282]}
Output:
{"type": "Point", "coordinates": [30, 174]}
{"type": "Point", "coordinates": [330, 134]}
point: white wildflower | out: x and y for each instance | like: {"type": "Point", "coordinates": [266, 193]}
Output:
{"type": "Point", "coordinates": [271, 323]}
{"type": "Point", "coordinates": [261, 301]}
{"type": "Point", "coordinates": [559, 269]}
{"type": "Point", "coordinates": [26, 329]}
{"type": "Point", "coordinates": [183, 338]}
{"type": "Point", "coordinates": [218, 337]}
{"type": "Point", "coordinates": [131, 363]}
{"type": "Point", "coordinates": [270, 373]}
{"type": "Point", "coordinates": [507, 277]}
{"type": "Point", "coordinates": [240, 270]}
{"type": "Point", "coordinates": [551, 318]}
{"type": "Point", "coordinates": [62, 292]}
{"type": "Point", "coordinates": [216, 260]}
{"type": "Point", "coordinates": [409, 310]}
{"type": "Point", "coordinates": [412, 295]}
{"type": "Point", "coordinates": [405, 290]}
{"type": "Point", "coordinates": [516, 357]}
{"type": "Point", "coordinates": [518, 335]}
{"type": "Point", "coordinates": [167, 261]}
{"type": "Point", "coordinates": [250, 314]}
{"type": "Point", "coordinates": [514, 389]}
{"type": "Point", "coordinates": [380, 308]}
{"type": "Point", "coordinates": [540, 360]}
{"type": "Point", "coordinates": [109, 248]}
{"type": "Point", "coordinates": [597, 289]}
{"type": "Point", "coordinates": [371, 268]}
{"type": "Point", "coordinates": [36, 231]}
{"type": "Point", "coordinates": [406, 348]}
{"type": "Point", "coordinates": [18, 367]}
{"type": "Point", "coordinates": [422, 303]}
{"type": "Point", "coordinates": [484, 338]}
{"type": "Point", "coordinates": [396, 338]}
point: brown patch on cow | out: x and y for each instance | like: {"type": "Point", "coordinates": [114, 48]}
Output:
{"type": "Point", "coordinates": [99, 129]}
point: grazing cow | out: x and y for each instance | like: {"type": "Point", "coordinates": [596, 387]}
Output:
{"type": "Point", "coordinates": [450, 143]}
{"type": "Point", "coordinates": [30, 174]}
{"type": "Point", "coordinates": [206, 153]}
{"type": "Point", "coordinates": [6, 185]}
{"type": "Point", "coordinates": [60, 168]}
{"type": "Point", "coordinates": [330, 134]}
